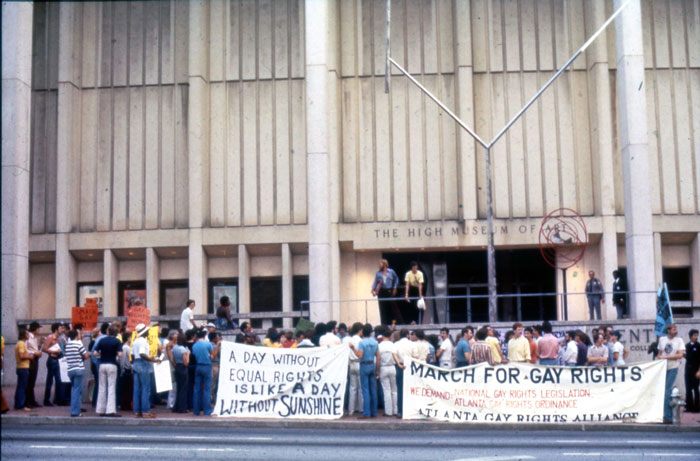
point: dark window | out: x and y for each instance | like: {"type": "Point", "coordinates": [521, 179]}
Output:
{"type": "Point", "coordinates": [173, 296]}
{"type": "Point", "coordinates": [219, 288]}
{"type": "Point", "coordinates": [300, 292]}
{"type": "Point", "coordinates": [678, 281]}
{"type": "Point", "coordinates": [266, 294]}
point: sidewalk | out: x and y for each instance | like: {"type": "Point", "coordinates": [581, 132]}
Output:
{"type": "Point", "coordinates": [690, 422]}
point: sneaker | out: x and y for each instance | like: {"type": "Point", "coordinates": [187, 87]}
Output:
{"type": "Point", "coordinates": [77, 416]}
{"type": "Point", "coordinates": [113, 415]}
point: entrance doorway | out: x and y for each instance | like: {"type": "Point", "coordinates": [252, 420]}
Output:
{"type": "Point", "coordinates": [461, 276]}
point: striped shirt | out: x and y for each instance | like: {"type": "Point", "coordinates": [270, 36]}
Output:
{"type": "Point", "coordinates": [75, 351]}
{"type": "Point", "coordinates": [481, 352]}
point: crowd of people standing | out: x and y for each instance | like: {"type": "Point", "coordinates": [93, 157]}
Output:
{"type": "Point", "coordinates": [124, 376]}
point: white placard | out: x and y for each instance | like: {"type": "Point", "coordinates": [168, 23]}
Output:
{"type": "Point", "coordinates": [265, 382]}
{"type": "Point", "coordinates": [63, 369]}
{"type": "Point", "coordinates": [529, 393]}
{"type": "Point", "coordinates": [164, 380]}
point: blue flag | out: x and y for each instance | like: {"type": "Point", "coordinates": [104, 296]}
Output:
{"type": "Point", "coordinates": [664, 317]}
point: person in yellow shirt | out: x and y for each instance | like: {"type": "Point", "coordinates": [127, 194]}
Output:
{"type": "Point", "coordinates": [492, 340]}
{"type": "Point", "coordinates": [518, 346]}
{"type": "Point", "coordinates": [414, 289]}
{"type": "Point", "coordinates": [23, 359]}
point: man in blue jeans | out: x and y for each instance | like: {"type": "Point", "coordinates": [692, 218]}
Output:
{"type": "Point", "coordinates": [204, 352]}
{"type": "Point", "coordinates": [368, 353]}
{"type": "Point", "coordinates": [142, 373]}
{"type": "Point", "coordinates": [75, 354]}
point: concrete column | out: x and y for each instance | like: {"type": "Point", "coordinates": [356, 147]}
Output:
{"type": "Point", "coordinates": [68, 141]}
{"type": "Point", "coordinates": [602, 123]}
{"type": "Point", "coordinates": [318, 161]}
{"type": "Point", "coordinates": [152, 281]}
{"type": "Point", "coordinates": [243, 280]}
{"type": "Point", "coordinates": [198, 270]}
{"type": "Point", "coordinates": [16, 102]}
{"type": "Point", "coordinates": [198, 115]}
{"type": "Point", "coordinates": [635, 159]}
{"type": "Point", "coordinates": [111, 284]}
{"type": "Point", "coordinates": [465, 110]}
{"type": "Point", "coordinates": [658, 260]}
{"type": "Point", "coordinates": [695, 268]}
{"type": "Point", "coordinates": [66, 275]}
{"type": "Point", "coordinates": [608, 263]}
{"type": "Point", "coordinates": [287, 283]}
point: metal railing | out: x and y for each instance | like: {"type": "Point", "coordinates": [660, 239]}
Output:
{"type": "Point", "coordinates": [442, 309]}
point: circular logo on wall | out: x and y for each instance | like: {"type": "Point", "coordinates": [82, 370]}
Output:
{"type": "Point", "coordinates": [563, 238]}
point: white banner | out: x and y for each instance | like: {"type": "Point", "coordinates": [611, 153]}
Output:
{"type": "Point", "coordinates": [263, 382]}
{"type": "Point", "coordinates": [528, 393]}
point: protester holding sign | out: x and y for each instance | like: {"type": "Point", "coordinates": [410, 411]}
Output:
{"type": "Point", "coordinates": [671, 349]}
{"type": "Point", "coordinates": [142, 373]}
{"type": "Point", "coordinates": [368, 353]}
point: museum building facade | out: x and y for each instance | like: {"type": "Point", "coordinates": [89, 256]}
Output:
{"type": "Point", "coordinates": [166, 150]}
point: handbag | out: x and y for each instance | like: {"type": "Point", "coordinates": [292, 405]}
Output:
{"type": "Point", "coordinates": [421, 304]}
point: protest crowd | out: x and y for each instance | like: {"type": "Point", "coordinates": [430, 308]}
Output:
{"type": "Point", "coordinates": [122, 362]}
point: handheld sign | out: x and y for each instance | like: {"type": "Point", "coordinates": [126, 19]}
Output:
{"type": "Point", "coordinates": [151, 337]}
{"type": "Point", "coordinates": [86, 315]}
{"type": "Point", "coordinates": [138, 314]}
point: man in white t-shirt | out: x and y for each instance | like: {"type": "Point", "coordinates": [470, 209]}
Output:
{"type": "Point", "coordinates": [445, 355]}
{"type": "Point", "coordinates": [618, 350]}
{"type": "Point", "coordinates": [671, 349]}
{"type": "Point", "coordinates": [331, 337]}
{"type": "Point", "coordinates": [187, 317]}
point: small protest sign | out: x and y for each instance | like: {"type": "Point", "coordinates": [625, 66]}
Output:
{"type": "Point", "coordinates": [138, 314]}
{"type": "Point", "coordinates": [163, 376]}
{"type": "Point", "coordinates": [86, 315]}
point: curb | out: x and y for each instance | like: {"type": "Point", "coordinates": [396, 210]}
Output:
{"type": "Point", "coordinates": [340, 425]}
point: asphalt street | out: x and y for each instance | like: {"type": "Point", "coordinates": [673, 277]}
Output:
{"type": "Point", "coordinates": [70, 442]}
